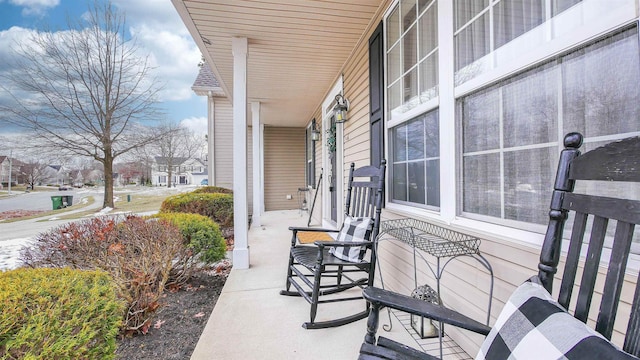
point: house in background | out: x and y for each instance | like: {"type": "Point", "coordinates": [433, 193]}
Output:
{"type": "Point", "coordinates": [184, 171]}
{"type": "Point", "coordinates": [467, 101]}
{"type": "Point", "coordinates": [12, 165]}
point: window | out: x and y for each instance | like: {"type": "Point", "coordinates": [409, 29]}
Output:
{"type": "Point", "coordinates": [508, 29]}
{"type": "Point", "coordinates": [416, 163]}
{"type": "Point", "coordinates": [310, 151]}
{"type": "Point", "coordinates": [412, 84]}
{"type": "Point", "coordinates": [412, 55]}
{"type": "Point", "coordinates": [512, 132]}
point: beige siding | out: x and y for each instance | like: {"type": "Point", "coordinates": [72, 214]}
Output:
{"type": "Point", "coordinates": [223, 162]}
{"type": "Point", "coordinates": [223, 121]}
{"type": "Point", "coordinates": [284, 166]}
{"type": "Point", "coordinates": [465, 284]}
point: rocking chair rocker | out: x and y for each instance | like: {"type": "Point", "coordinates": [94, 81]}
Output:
{"type": "Point", "coordinates": [329, 267]}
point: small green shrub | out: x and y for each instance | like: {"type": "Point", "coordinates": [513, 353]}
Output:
{"type": "Point", "coordinates": [212, 190]}
{"type": "Point", "coordinates": [218, 207]}
{"type": "Point", "coordinates": [137, 253]}
{"type": "Point", "coordinates": [58, 314]}
{"type": "Point", "coordinates": [202, 239]}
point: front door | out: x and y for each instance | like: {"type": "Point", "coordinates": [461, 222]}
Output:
{"type": "Point", "coordinates": [333, 174]}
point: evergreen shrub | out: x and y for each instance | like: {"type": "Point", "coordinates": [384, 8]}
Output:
{"type": "Point", "coordinates": [217, 206]}
{"type": "Point", "coordinates": [202, 240]}
{"type": "Point", "coordinates": [58, 314]}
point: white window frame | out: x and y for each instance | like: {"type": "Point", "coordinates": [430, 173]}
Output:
{"type": "Point", "coordinates": [450, 151]}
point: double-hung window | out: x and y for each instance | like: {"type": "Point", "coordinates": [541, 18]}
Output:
{"type": "Point", "coordinates": [512, 132]}
{"type": "Point", "coordinates": [412, 91]}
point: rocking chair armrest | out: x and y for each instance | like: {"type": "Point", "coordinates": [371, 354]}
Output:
{"type": "Point", "coordinates": [380, 297]}
{"type": "Point", "coordinates": [322, 244]}
{"type": "Point", "coordinates": [300, 228]}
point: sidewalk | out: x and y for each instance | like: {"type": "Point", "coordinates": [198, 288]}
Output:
{"type": "Point", "coordinates": [251, 320]}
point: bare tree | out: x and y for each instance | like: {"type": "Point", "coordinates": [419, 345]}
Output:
{"type": "Point", "coordinates": [85, 91]}
{"type": "Point", "coordinates": [34, 172]}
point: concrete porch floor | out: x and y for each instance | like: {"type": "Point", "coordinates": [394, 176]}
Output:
{"type": "Point", "coordinates": [251, 320]}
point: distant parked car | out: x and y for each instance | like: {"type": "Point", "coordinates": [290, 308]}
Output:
{"type": "Point", "coordinates": [64, 187]}
{"type": "Point", "coordinates": [204, 182]}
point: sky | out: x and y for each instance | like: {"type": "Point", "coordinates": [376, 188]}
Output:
{"type": "Point", "coordinates": [158, 31]}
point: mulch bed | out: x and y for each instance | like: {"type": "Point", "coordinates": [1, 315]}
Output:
{"type": "Point", "coordinates": [180, 321]}
{"type": "Point", "coordinates": [12, 214]}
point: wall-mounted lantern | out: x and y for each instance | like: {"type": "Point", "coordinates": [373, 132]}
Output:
{"type": "Point", "coordinates": [341, 108]}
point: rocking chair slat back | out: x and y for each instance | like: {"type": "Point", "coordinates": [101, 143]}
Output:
{"type": "Point", "coordinates": [603, 226]}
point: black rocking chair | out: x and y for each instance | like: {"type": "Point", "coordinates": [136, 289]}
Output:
{"type": "Point", "coordinates": [315, 272]}
{"type": "Point", "coordinates": [615, 162]}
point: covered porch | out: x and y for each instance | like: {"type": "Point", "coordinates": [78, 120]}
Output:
{"type": "Point", "coordinates": [252, 321]}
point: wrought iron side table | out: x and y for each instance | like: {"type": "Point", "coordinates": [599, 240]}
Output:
{"type": "Point", "coordinates": [443, 244]}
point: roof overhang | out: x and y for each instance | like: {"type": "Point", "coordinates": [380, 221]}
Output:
{"type": "Point", "coordinates": [297, 48]}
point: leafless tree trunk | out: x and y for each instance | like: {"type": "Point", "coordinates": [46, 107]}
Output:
{"type": "Point", "coordinates": [85, 91]}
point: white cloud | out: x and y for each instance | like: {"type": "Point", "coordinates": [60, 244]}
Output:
{"type": "Point", "coordinates": [158, 28]}
{"type": "Point", "coordinates": [198, 125]}
{"type": "Point", "coordinates": [35, 7]}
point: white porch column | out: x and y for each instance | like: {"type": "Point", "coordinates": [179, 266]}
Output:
{"type": "Point", "coordinates": [240, 204]}
{"type": "Point", "coordinates": [258, 189]}
{"type": "Point", "coordinates": [211, 136]}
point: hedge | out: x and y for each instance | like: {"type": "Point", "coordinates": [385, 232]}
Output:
{"type": "Point", "coordinates": [217, 206]}
{"type": "Point", "coordinates": [58, 314]}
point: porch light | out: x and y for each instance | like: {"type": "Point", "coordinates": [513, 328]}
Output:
{"type": "Point", "coordinates": [315, 133]}
{"type": "Point", "coordinates": [341, 108]}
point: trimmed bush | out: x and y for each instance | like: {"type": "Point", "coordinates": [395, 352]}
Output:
{"type": "Point", "coordinates": [45, 314]}
{"type": "Point", "coordinates": [218, 207]}
{"type": "Point", "coordinates": [202, 239]}
{"type": "Point", "coordinates": [212, 190]}
{"type": "Point", "coordinates": [138, 254]}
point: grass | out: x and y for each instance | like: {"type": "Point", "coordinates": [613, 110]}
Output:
{"type": "Point", "coordinates": [138, 204]}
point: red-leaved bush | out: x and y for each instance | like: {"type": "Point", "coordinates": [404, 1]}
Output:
{"type": "Point", "coordinates": [138, 253]}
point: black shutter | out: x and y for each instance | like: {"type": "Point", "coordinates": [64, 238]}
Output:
{"type": "Point", "coordinates": [376, 96]}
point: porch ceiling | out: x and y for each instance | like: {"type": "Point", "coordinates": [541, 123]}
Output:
{"type": "Point", "coordinates": [296, 47]}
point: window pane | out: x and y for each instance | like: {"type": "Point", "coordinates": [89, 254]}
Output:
{"type": "Point", "coordinates": [515, 17]}
{"type": "Point", "coordinates": [559, 6]}
{"type": "Point", "coordinates": [395, 68]}
{"type": "Point", "coordinates": [395, 96]}
{"type": "Point", "coordinates": [528, 181]}
{"type": "Point", "coordinates": [400, 143]}
{"type": "Point", "coordinates": [600, 87]}
{"type": "Point", "coordinates": [433, 183]}
{"type": "Point", "coordinates": [410, 98]}
{"type": "Point", "coordinates": [415, 134]}
{"type": "Point", "coordinates": [429, 78]}
{"type": "Point", "coordinates": [416, 182]}
{"type": "Point", "coordinates": [531, 108]}
{"type": "Point", "coordinates": [482, 184]}
{"type": "Point", "coordinates": [473, 42]}
{"type": "Point", "coordinates": [423, 4]}
{"type": "Point", "coordinates": [400, 182]}
{"type": "Point", "coordinates": [410, 49]}
{"type": "Point", "coordinates": [393, 28]}
{"type": "Point", "coordinates": [481, 124]}
{"type": "Point", "coordinates": [432, 134]}
{"type": "Point", "coordinates": [465, 10]}
{"type": "Point", "coordinates": [409, 13]}
{"type": "Point", "coordinates": [428, 31]}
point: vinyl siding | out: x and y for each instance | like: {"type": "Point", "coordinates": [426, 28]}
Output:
{"type": "Point", "coordinates": [223, 163]}
{"type": "Point", "coordinates": [465, 284]}
{"type": "Point", "coordinates": [284, 166]}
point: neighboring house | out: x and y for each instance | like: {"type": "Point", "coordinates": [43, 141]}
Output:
{"type": "Point", "coordinates": [467, 101]}
{"type": "Point", "coordinates": [184, 171]}
{"type": "Point", "coordinates": [56, 175]}
{"type": "Point", "coordinates": [10, 165]}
